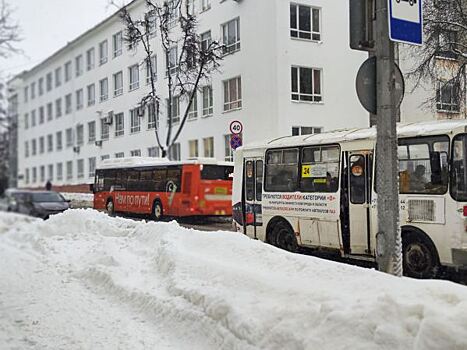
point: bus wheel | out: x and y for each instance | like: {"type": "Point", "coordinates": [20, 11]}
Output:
{"type": "Point", "coordinates": [109, 207]}
{"type": "Point", "coordinates": [285, 237]}
{"type": "Point", "coordinates": [157, 211]}
{"type": "Point", "coordinates": [420, 259]}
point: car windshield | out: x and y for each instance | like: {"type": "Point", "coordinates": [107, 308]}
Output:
{"type": "Point", "coordinates": [47, 197]}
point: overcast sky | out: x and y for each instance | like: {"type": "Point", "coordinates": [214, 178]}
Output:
{"type": "Point", "coordinates": [47, 25]}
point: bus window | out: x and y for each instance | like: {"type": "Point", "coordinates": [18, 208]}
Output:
{"type": "Point", "coordinates": [174, 175]}
{"type": "Point", "coordinates": [423, 165]}
{"type": "Point", "coordinates": [357, 179]}
{"type": "Point", "coordinates": [216, 172]}
{"type": "Point", "coordinates": [146, 180]}
{"type": "Point", "coordinates": [121, 179]}
{"type": "Point", "coordinates": [458, 169]}
{"type": "Point", "coordinates": [259, 180]}
{"type": "Point", "coordinates": [133, 180]}
{"type": "Point", "coordinates": [109, 179]}
{"type": "Point", "coordinates": [159, 177]}
{"type": "Point", "coordinates": [320, 169]}
{"type": "Point", "coordinates": [99, 181]}
{"type": "Point", "coordinates": [249, 181]}
{"type": "Point", "coordinates": [281, 170]}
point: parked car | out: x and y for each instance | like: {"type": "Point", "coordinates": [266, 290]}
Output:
{"type": "Point", "coordinates": [40, 204]}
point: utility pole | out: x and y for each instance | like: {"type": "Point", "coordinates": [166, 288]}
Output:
{"type": "Point", "coordinates": [388, 239]}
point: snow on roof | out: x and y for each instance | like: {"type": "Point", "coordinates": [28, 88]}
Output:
{"type": "Point", "coordinates": [133, 162]}
{"type": "Point", "coordinates": [346, 135]}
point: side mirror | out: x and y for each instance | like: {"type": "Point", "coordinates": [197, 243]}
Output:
{"type": "Point", "coordinates": [435, 164]}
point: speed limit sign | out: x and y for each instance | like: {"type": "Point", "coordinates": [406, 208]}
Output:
{"type": "Point", "coordinates": [236, 127]}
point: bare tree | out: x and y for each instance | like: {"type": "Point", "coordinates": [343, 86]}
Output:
{"type": "Point", "coordinates": [190, 61]}
{"type": "Point", "coordinates": [443, 57]}
{"type": "Point", "coordinates": [9, 31]}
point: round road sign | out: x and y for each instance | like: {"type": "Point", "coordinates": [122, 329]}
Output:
{"type": "Point", "coordinates": [236, 127]}
{"type": "Point", "coordinates": [235, 141]}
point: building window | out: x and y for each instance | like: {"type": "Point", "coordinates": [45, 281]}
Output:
{"type": "Point", "coordinates": [91, 131]}
{"type": "Point", "coordinates": [79, 65]}
{"type": "Point", "coordinates": [232, 94]}
{"type": "Point", "coordinates": [91, 89]}
{"type": "Point", "coordinates": [69, 137]}
{"type": "Point", "coordinates": [105, 130]}
{"type": "Point", "coordinates": [58, 107]}
{"type": "Point", "coordinates": [151, 64]}
{"type": "Point", "coordinates": [193, 148]}
{"type": "Point", "coordinates": [105, 157]}
{"type": "Point", "coordinates": [59, 171]}
{"type": "Point", "coordinates": [50, 111]}
{"type": "Point", "coordinates": [80, 166]}
{"type": "Point", "coordinates": [92, 166]}
{"type": "Point", "coordinates": [80, 135]}
{"type": "Point", "coordinates": [26, 121]}
{"type": "Point", "coordinates": [49, 81]}
{"type": "Point", "coordinates": [153, 152]}
{"type": "Point", "coordinates": [173, 13]}
{"type": "Point", "coordinates": [67, 71]}
{"type": "Point", "coordinates": [193, 110]}
{"type": "Point", "coordinates": [207, 101]}
{"type": "Point", "coordinates": [117, 41]}
{"type": "Point", "coordinates": [68, 104]}
{"type": "Point", "coordinates": [33, 90]}
{"type": "Point", "coordinates": [41, 115]}
{"type": "Point", "coordinates": [120, 155]}
{"type": "Point", "coordinates": [306, 84]}
{"type": "Point", "coordinates": [103, 52]}
{"type": "Point", "coordinates": [206, 40]}
{"type": "Point", "coordinates": [135, 121]}
{"type": "Point", "coordinates": [41, 144]}
{"type": "Point", "coordinates": [135, 153]}
{"type": "Point", "coordinates": [58, 76]}
{"type": "Point", "coordinates": [27, 176]}
{"type": "Point", "coordinates": [104, 89]}
{"type": "Point", "coordinates": [50, 172]}
{"type": "Point", "coordinates": [33, 118]}
{"type": "Point", "coordinates": [172, 63]}
{"type": "Point", "coordinates": [134, 77]}
{"type": "Point", "coordinates": [50, 143]}
{"type": "Point", "coordinates": [152, 24]}
{"type": "Point", "coordinates": [231, 36]}
{"type": "Point", "coordinates": [118, 83]}
{"type": "Point", "coordinates": [448, 42]}
{"type": "Point", "coordinates": [174, 116]}
{"type": "Point", "coordinates": [40, 86]}
{"type": "Point", "coordinates": [174, 151]}
{"type": "Point", "coordinates": [90, 59]}
{"type": "Point", "coordinates": [42, 172]}
{"type": "Point", "coordinates": [119, 124]}
{"type": "Point", "coordinates": [34, 174]}
{"type": "Point", "coordinates": [152, 117]}
{"type": "Point", "coordinates": [306, 130]}
{"type": "Point", "coordinates": [447, 96]}
{"type": "Point", "coordinates": [26, 149]}
{"type": "Point", "coordinates": [208, 144]}
{"type": "Point", "coordinates": [34, 147]}
{"type": "Point", "coordinates": [69, 170]}
{"type": "Point", "coordinates": [205, 5]}
{"type": "Point", "coordinates": [79, 99]}
{"type": "Point", "coordinates": [305, 22]}
{"type": "Point", "coordinates": [26, 93]}
{"type": "Point", "coordinates": [58, 137]}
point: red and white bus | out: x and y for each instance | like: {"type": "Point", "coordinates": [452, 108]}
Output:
{"type": "Point", "coordinates": [159, 187]}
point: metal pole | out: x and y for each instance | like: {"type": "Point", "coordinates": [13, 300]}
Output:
{"type": "Point", "coordinates": [388, 239]}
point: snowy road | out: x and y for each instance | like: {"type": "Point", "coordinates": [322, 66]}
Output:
{"type": "Point", "coordinates": [83, 280]}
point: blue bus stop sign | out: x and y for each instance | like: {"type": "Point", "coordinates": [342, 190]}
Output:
{"type": "Point", "coordinates": [235, 141]}
{"type": "Point", "coordinates": [406, 21]}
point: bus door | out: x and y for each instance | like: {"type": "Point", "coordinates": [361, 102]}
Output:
{"type": "Point", "coordinates": [359, 190]}
{"type": "Point", "coordinates": [253, 189]}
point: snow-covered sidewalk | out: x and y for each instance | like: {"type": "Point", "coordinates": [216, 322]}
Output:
{"type": "Point", "coordinates": [83, 280]}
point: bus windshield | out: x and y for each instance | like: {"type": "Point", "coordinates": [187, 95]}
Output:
{"type": "Point", "coordinates": [216, 172]}
{"type": "Point", "coordinates": [458, 169]}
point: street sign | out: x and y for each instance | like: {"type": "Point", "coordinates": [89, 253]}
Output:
{"type": "Point", "coordinates": [235, 141]}
{"type": "Point", "coordinates": [236, 127]}
{"type": "Point", "coordinates": [366, 85]}
{"type": "Point", "coordinates": [406, 21]}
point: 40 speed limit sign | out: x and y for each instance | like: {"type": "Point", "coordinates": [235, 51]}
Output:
{"type": "Point", "coordinates": [236, 127]}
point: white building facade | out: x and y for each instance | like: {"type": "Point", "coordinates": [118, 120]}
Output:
{"type": "Point", "coordinates": [291, 71]}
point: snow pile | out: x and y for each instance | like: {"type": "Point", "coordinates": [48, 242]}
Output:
{"type": "Point", "coordinates": [79, 200]}
{"type": "Point", "coordinates": [208, 291]}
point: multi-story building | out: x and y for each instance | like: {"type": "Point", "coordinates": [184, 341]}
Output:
{"type": "Point", "coordinates": [290, 71]}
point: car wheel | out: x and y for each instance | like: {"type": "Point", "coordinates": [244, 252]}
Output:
{"type": "Point", "coordinates": [109, 207]}
{"type": "Point", "coordinates": [285, 237]}
{"type": "Point", "coordinates": [157, 211]}
{"type": "Point", "coordinates": [420, 259]}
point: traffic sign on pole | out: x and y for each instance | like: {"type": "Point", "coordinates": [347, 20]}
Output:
{"type": "Point", "coordinates": [235, 141]}
{"type": "Point", "coordinates": [236, 127]}
{"type": "Point", "coordinates": [406, 21]}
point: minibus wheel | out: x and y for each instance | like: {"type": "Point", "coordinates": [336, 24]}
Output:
{"type": "Point", "coordinates": [419, 256]}
{"type": "Point", "coordinates": [285, 237]}
{"type": "Point", "coordinates": [157, 211]}
{"type": "Point", "coordinates": [109, 207]}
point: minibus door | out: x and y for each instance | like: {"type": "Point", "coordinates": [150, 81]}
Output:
{"type": "Point", "coordinates": [252, 211]}
{"type": "Point", "coordinates": [359, 180]}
